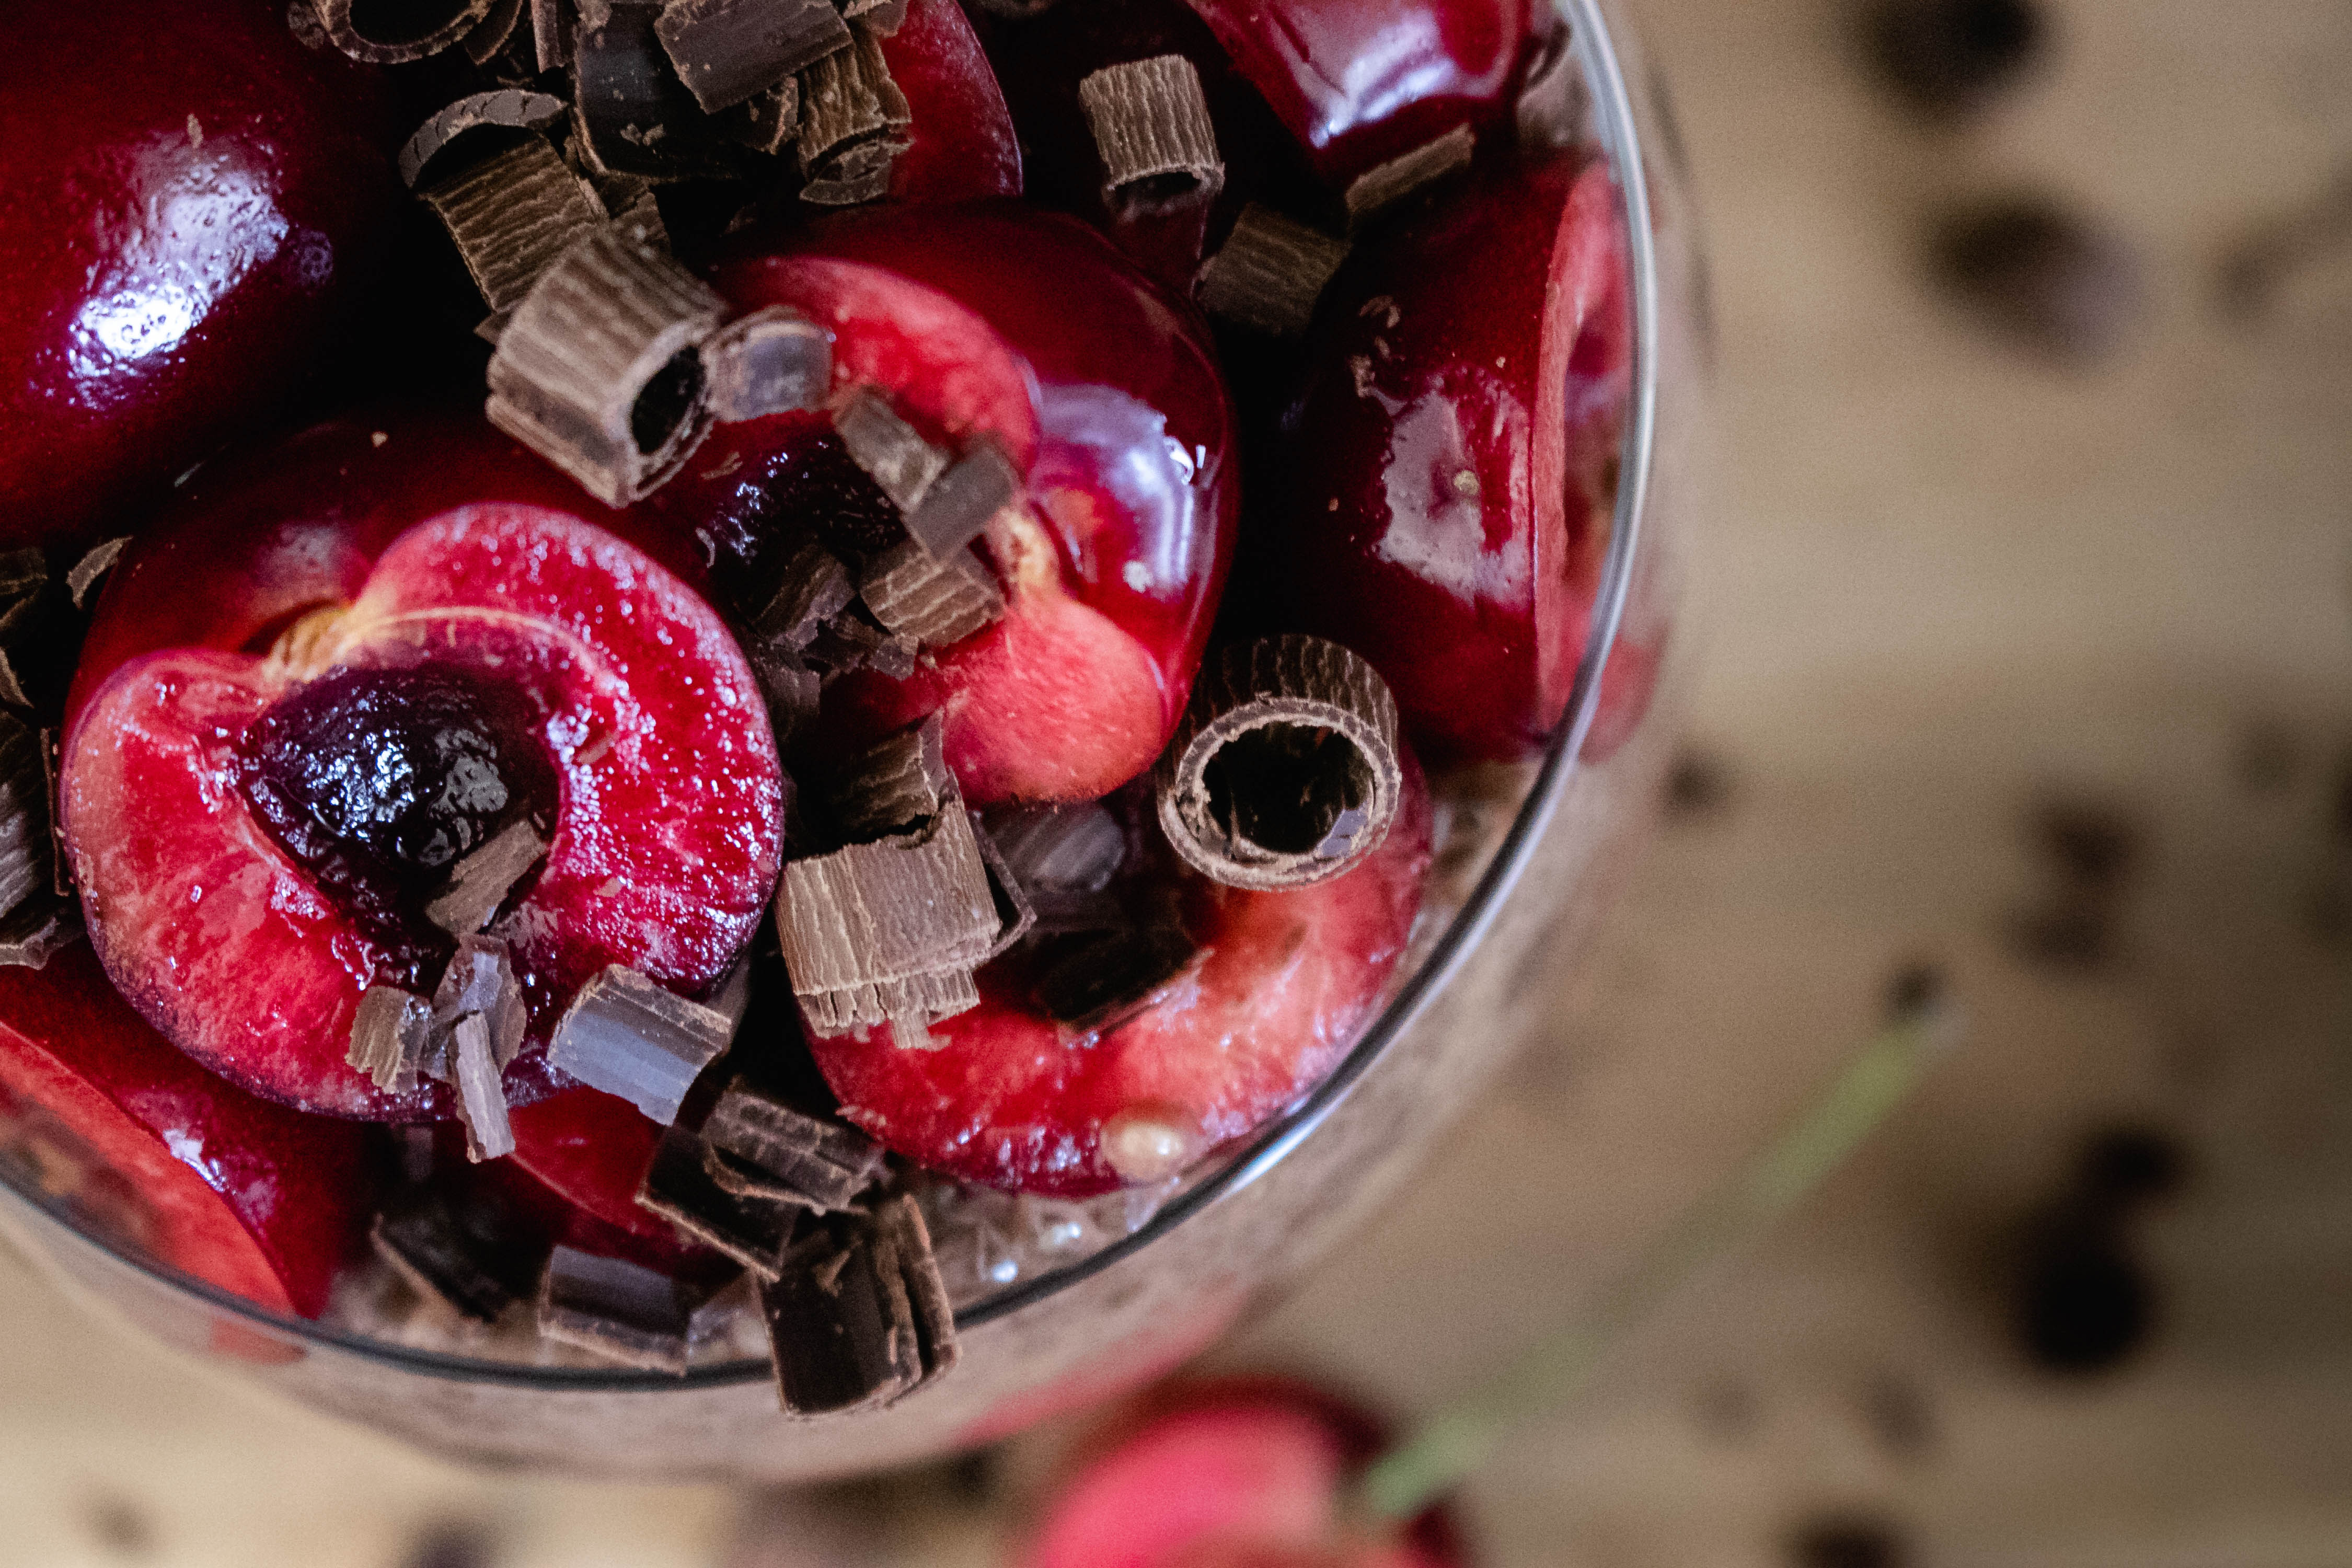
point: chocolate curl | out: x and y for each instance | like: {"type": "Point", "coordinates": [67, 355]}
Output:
{"type": "Point", "coordinates": [554, 23]}
{"type": "Point", "coordinates": [507, 108]}
{"type": "Point", "coordinates": [491, 33]}
{"type": "Point", "coordinates": [512, 214]}
{"type": "Point", "coordinates": [599, 372]}
{"type": "Point", "coordinates": [481, 981]}
{"type": "Point", "coordinates": [758, 1147]}
{"type": "Point", "coordinates": [1284, 769]}
{"type": "Point", "coordinates": [1377, 189]}
{"type": "Point", "coordinates": [394, 32]}
{"type": "Point", "coordinates": [481, 1095]}
{"type": "Point", "coordinates": [892, 452]}
{"type": "Point", "coordinates": [87, 572]}
{"type": "Point", "coordinates": [751, 1229]}
{"type": "Point", "coordinates": [1151, 128]}
{"type": "Point", "coordinates": [931, 601]}
{"type": "Point", "coordinates": [768, 121]}
{"type": "Point", "coordinates": [727, 50]}
{"type": "Point", "coordinates": [850, 112]}
{"type": "Point", "coordinates": [873, 932]}
{"type": "Point", "coordinates": [859, 1318]}
{"type": "Point", "coordinates": [28, 852]}
{"type": "Point", "coordinates": [389, 1034]}
{"type": "Point", "coordinates": [1270, 273]}
{"type": "Point", "coordinates": [38, 930]}
{"type": "Point", "coordinates": [955, 506]}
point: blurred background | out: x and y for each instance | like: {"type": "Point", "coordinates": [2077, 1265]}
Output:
{"type": "Point", "coordinates": [2022, 638]}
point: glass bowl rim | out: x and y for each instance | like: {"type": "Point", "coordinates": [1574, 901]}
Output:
{"type": "Point", "coordinates": [1620, 145]}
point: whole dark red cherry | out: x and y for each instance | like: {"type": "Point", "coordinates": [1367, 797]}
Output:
{"type": "Point", "coordinates": [1445, 504]}
{"type": "Point", "coordinates": [249, 1197]}
{"type": "Point", "coordinates": [191, 204]}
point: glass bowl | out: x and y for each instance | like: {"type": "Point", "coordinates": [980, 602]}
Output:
{"type": "Point", "coordinates": [1061, 1305]}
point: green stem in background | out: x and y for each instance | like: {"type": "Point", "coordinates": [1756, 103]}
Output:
{"type": "Point", "coordinates": [1451, 1444]}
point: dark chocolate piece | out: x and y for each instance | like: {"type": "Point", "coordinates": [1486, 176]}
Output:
{"type": "Point", "coordinates": [491, 33]}
{"type": "Point", "coordinates": [481, 980]}
{"type": "Point", "coordinates": [554, 26]}
{"type": "Point", "coordinates": [27, 853]}
{"type": "Point", "coordinates": [1284, 769]}
{"type": "Point", "coordinates": [480, 883]}
{"type": "Point", "coordinates": [1097, 985]}
{"type": "Point", "coordinates": [95, 564]}
{"type": "Point", "coordinates": [1270, 273]}
{"type": "Point", "coordinates": [512, 214]}
{"type": "Point", "coordinates": [813, 588]}
{"type": "Point", "coordinates": [302, 21]}
{"type": "Point", "coordinates": [768, 121]}
{"type": "Point", "coordinates": [1152, 131]}
{"type": "Point", "coordinates": [1377, 189]}
{"type": "Point", "coordinates": [752, 1230]}
{"type": "Point", "coordinates": [1015, 915]}
{"type": "Point", "coordinates": [38, 928]}
{"type": "Point", "coordinates": [389, 1034]}
{"type": "Point", "coordinates": [900, 1223]}
{"type": "Point", "coordinates": [1073, 848]}
{"type": "Point", "coordinates": [847, 97]}
{"type": "Point", "coordinates": [858, 174]}
{"type": "Point", "coordinates": [792, 688]}
{"type": "Point", "coordinates": [29, 645]}
{"type": "Point", "coordinates": [896, 786]}
{"type": "Point", "coordinates": [467, 1258]}
{"type": "Point", "coordinates": [843, 1334]}
{"type": "Point", "coordinates": [929, 601]}
{"type": "Point", "coordinates": [616, 1309]}
{"type": "Point", "coordinates": [509, 109]}
{"type": "Point", "coordinates": [825, 1165]}
{"type": "Point", "coordinates": [771, 362]}
{"type": "Point", "coordinates": [628, 1035]}
{"type": "Point", "coordinates": [633, 115]}
{"type": "Point", "coordinates": [877, 931]}
{"type": "Point", "coordinates": [481, 1095]}
{"type": "Point", "coordinates": [394, 32]}
{"type": "Point", "coordinates": [956, 506]}
{"type": "Point", "coordinates": [892, 452]}
{"type": "Point", "coordinates": [726, 51]}
{"type": "Point", "coordinates": [599, 370]}
{"type": "Point", "coordinates": [880, 17]}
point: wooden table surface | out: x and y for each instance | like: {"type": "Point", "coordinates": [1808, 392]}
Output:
{"type": "Point", "coordinates": [1941, 587]}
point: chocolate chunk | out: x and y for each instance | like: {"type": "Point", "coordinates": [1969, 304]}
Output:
{"type": "Point", "coordinates": [393, 32]}
{"type": "Point", "coordinates": [1285, 768]}
{"type": "Point", "coordinates": [880, 17]}
{"type": "Point", "coordinates": [890, 928]}
{"type": "Point", "coordinates": [512, 214]}
{"type": "Point", "coordinates": [894, 656]}
{"type": "Point", "coordinates": [1095, 985]}
{"type": "Point", "coordinates": [27, 853]}
{"type": "Point", "coordinates": [1270, 273]}
{"type": "Point", "coordinates": [633, 115]}
{"type": "Point", "coordinates": [726, 51]}
{"type": "Point", "coordinates": [554, 26]}
{"type": "Point", "coordinates": [38, 928]}
{"type": "Point", "coordinates": [731, 997]}
{"type": "Point", "coordinates": [599, 370]}
{"type": "Point", "coordinates": [856, 175]}
{"type": "Point", "coordinates": [628, 1035]}
{"type": "Point", "coordinates": [754, 1231]}
{"type": "Point", "coordinates": [492, 33]}
{"type": "Point", "coordinates": [896, 786]}
{"type": "Point", "coordinates": [840, 1325]}
{"type": "Point", "coordinates": [892, 452]}
{"type": "Point", "coordinates": [1377, 189]}
{"type": "Point", "coordinates": [771, 362]}
{"type": "Point", "coordinates": [1152, 131]}
{"type": "Point", "coordinates": [480, 982]}
{"type": "Point", "coordinates": [388, 1038]}
{"type": "Point", "coordinates": [767, 121]}
{"type": "Point", "coordinates": [900, 1223]}
{"type": "Point", "coordinates": [473, 1257]}
{"type": "Point", "coordinates": [1014, 914]}
{"type": "Point", "coordinates": [509, 109]}
{"type": "Point", "coordinates": [956, 506]}
{"type": "Point", "coordinates": [847, 97]}
{"type": "Point", "coordinates": [616, 1309]}
{"type": "Point", "coordinates": [931, 601]}
{"type": "Point", "coordinates": [811, 589]}
{"type": "Point", "coordinates": [479, 884]}
{"type": "Point", "coordinates": [791, 688]}
{"type": "Point", "coordinates": [1071, 848]}
{"type": "Point", "coordinates": [804, 1160]}
{"type": "Point", "coordinates": [481, 1097]}
{"type": "Point", "coordinates": [95, 564]}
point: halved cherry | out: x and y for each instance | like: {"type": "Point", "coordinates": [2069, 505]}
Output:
{"type": "Point", "coordinates": [1280, 987]}
{"type": "Point", "coordinates": [1452, 460]}
{"type": "Point", "coordinates": [158, 1152]}
{"type": "Point", "coordinates": [256, 831]}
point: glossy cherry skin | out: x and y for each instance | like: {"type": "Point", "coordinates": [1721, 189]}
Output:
{"type": "Point", "coordinates": [988, 318]}
{"type": "Point", "coordinates": [1359, 82]}
{"type": "Point", "coordinates": [960, 145]}
{"type": "Point", "coordinates": [1452, 461]}
{"type": "Point", "coordinates": [239, 1193]}
{"type": "Point", "coordinates": [669, 833]}
{"type": "Point", "coordinates": [594, 1150]}
{"type": "Point", "coordinates": [192, 204]}
{"type": "Point", "coordinates": [1241, 1472]}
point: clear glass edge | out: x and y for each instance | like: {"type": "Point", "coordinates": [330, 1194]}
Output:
{"type": "Point", "coordinates": [1619, 144]}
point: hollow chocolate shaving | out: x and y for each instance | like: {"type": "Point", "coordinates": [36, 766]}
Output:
{"type": "Point", "coordinates": [512, 214]}
{"type": "Point", "coordinates": [773, 361]}
{"type": "Point", "coordinates": [892, 452]}
{"type": "Point", "coordinates": [891, 929]}
{"type": "Point", "coordinates": [598, 371]}
{"type": "Point", "coordinates": [481, 1095]}
{"type": "Point", "coordinates": [767, 121]}
{"type": "Point", "coordinates": [1378, 188]}
{"type": "Point", "coordinates": [389, 1032]}
{"type": "Point", "coordinates": [1152, 129]}
{"type": "Point", "coordinates": [397, 31]}
{"type": "Point", "coordinates": [954, 508]}
{"type": "Point", "coordinates": [480, 981]}
{"type": "Point", "coordinates": [1270, 273]}
{"type": "Point", "coordinates": [629, 1037]}
{"type": "Point", "coordinates": [847, 97]}
{"type": "Point", "coordinates": [481, 881]}
{"type": "Point", "coordinates": [615, 1309]}
{"type": "Point", "coordinates": [507, 108]}
{"type": "Point", "coordinates": [754, 1231]}
{"type": "Point", "coordinates": [726, 51]}
{"type": "Point", "coordinates": [86, 573]}
{"type": "Point", "coordinates": [1095, 986]}
{"type": "Point", "coordinates": [931, 601]}
{"type": "Point", "coordinates": [27, 853]}
{"type": "Point", "coordinates": [1284, 769]}
{"type": "Point", "coordinates": [896, 786]}
{"type": "Point", "coordinates": [491, 33]}
{"type": "Point", "coordinates": [38, 928]}
{"type": "Point", "coordinates": [466, 1259]}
